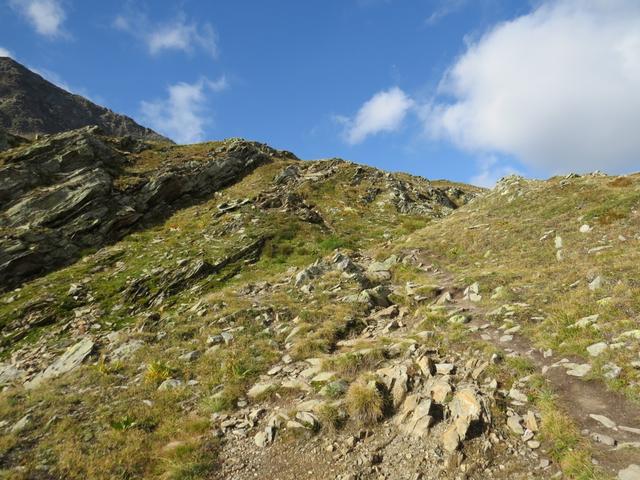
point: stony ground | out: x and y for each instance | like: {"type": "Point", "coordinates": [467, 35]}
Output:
{"type": "Point", "coordinates": [327, 320]}
{"type": "Point", "coordinates": [453, 386]}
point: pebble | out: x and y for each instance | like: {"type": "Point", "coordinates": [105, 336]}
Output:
{"type": "Point", "coordinates": [514, 423]}
{"type": "Point", "coordinates": [597, 348]}
{"type": "Point", "coordinates": [632, 472]}
{"type": "Point", "coordinates": [611, 371]}
{"type": "Point", "coordinates": [190, 356]}
{"type": "Point", "coordinates": [585, 321]}
{"type": "Point", "coordinates": [444, 368]}
{"type": "Point", "coordinates": [530, 421]}
{"type": "Point", "coordinates": [260, 389]}
{"type": "Point", "coordinates": [518, 395]}
{"type": "Point", "coordinates": [170, 384]}
{"type": "Point", "coordinates": [607, 422]}
{"type": "Point", "coordinates": [579, 370]}
{"type": "Point", "coordinates": [595, 284]}
{"type": "Point", "coordinates": [459, 319]}
{"type": "Point", "coordinates": [604, 439]}
{"type": "Point", "coordinates": [21, 424]}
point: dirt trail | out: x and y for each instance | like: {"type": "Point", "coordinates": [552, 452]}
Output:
{"type": "Point", "coordinates": [382, 454]}
{"type": "Point", "coordinates": [579, 397]}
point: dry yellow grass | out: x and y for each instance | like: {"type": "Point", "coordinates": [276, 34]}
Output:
{"type": "Point", "coordinates": [364, 402]}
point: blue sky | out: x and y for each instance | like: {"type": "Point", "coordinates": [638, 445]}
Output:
{"type": "Point", "coordinates": [462, 89]}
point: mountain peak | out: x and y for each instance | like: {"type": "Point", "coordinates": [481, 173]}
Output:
{"type": "Point", "coordinates": [31, 105]}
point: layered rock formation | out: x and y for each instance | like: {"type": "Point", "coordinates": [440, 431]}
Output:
{"type": "Point", "coordinates": [73, 191]}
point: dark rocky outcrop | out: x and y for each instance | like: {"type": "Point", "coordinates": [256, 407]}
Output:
{"type": "Point", "coordinates": [170, 282]}
{"type": "Point", "coordinates": [8, 140]}
{"type": "Point", "coordinates": [61, 195]}
{"type": "Point", "coordinates": [30, 105]}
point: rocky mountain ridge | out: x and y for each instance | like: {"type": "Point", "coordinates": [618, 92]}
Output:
{"type": "Point", "coordinates": [227, 310]}
{"type": "Point", "coordinates": [71, 191]}
{"type": "Point", "coordinates": [31, 105]}
{"type": "Point", "coordinates": [76, 190]}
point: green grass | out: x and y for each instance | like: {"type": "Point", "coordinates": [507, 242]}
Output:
{"type": "Point", "coordinates": [333, 242]}
{"type": "Point", "coordinates": [568, 447]}
{"type": "Point", "coordinates": [351, 364]}
{"type": "Point", "coordinates": [101, 427]}
{"type": "Point", "coordinates": [509, 252]}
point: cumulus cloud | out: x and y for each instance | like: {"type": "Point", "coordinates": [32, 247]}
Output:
{"type": "Point", "coordinates": [180, 34]}
{"type": "Point", "coordinates": [46, 16]}
{"type": "Point", "coordinates": [384, 112]}
{"type": "Point", "coordinates": [184, 113]}
{"type": "Point", "coordinates": [5, 53]}
{"type": "Point", "coordinates": [557, 88]}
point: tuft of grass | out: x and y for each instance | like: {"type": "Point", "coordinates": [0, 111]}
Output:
{"type": "Point", "coordinates": [556, 332]}
{"type": "Point", "coordinates": [621, 182]}
{"type": "Point", "coordinates": [521, 365]}
{"type": "Point", "coordinates": [350, 364]}
{"type": "Point", "coordinates": [322, 340]}
{"type": "Point", "coordinates": [330, 417]}
{"type": "Point", "coordinates": [432, 320]}
{"type": "Point", "coordinates": [157, 372]}
{"type": "Point", "coordinates": [364, 402]}
{"type": "Point", "coordinates": [226, 400]}
{"type": "Point", "coordinates": [568, 447]}
{"type": "Point", "coordinates": [125, 423]}
{"type": "Point", "coordinates": [190, 461]}
{"type": "Point", "coordinates": [333, 242]}
{"type": "Point", "coordinates": [105, 367]}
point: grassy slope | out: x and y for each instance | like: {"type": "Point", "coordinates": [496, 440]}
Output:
{"type": "Point", "coordinates": [508, 239]}
{"type": "Point", "coordinates": [93, 423]}
{"type": "Point", "coordinates": [496, 241]}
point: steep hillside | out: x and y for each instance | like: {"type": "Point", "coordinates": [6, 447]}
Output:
{"type": "Point", "coordinates": [226, 310]}
{"type": "Point", "coordinates": [30, 105]}
{"type": "Point", "coordinates": [76, 190]}
{"type": "Point", "coordinates": [8, 140]}
{"type": "Point", "coordinates": [275, 215]}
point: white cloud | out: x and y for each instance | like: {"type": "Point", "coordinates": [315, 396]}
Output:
{"type": "Point", "coordinates": [490, 171]}
{"type": "Point", "coordinates": [184, 114]}
{"type": "Point", "coordinates": [180, 35]}
{"type": "Point", "coordinates": [46, 16]}
{"type": "Point", "coordinates": [558, 88]}
{"type": "Point", "coordinates": [384, 112]}
{"type": "Point", "coordinates": [444, 9]}
{"type": "Point", "coordinates": [5, 53]}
